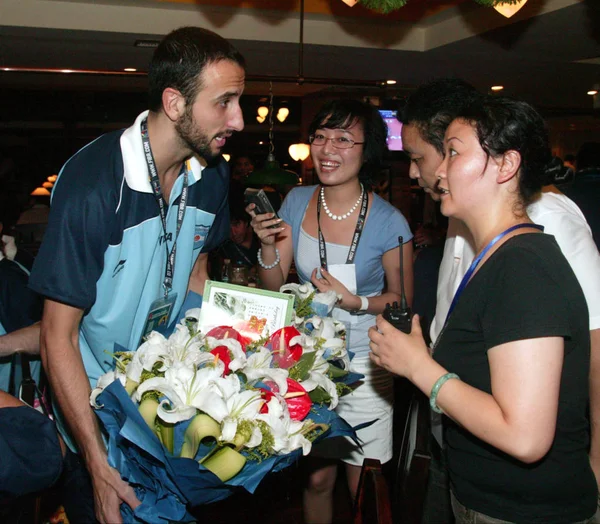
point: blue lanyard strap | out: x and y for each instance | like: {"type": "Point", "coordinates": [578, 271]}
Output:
{"type": "Point", "coordinates": [475, 263]}
{"type": "Point", "coordinates": [156, 190]}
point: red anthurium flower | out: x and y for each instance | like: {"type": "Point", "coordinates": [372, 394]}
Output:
{"type": "Point", "coordinates": [266, 395]}
{"type": "Point", "coordinates": [222, 352]}
{"type": "Point", "coordinates": [284, 354]}
{"type": "Point", "coordinates": [296, 398]}
{"type": "Point", "coordinates": [221, 332]}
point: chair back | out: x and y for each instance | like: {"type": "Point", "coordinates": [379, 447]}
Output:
{"type": "Point", "coordinates": [412, 471]}
{"type": "Point", "coordinates": [372, 505]}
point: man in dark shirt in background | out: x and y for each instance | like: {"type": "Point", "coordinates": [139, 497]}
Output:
{"type": "Point", "coordinates": [585, 189]}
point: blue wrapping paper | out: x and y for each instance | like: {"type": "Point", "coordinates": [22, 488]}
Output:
{"type": "Point", "coordinates": [167, 485]}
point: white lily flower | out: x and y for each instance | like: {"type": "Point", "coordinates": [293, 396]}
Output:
{"type": "Point", "coordinates": [278, 419]}
{"type": "Point", "coordinates": [185, 348]}
{"type": "Point", "coordinates": [217, 408]}
{"type": "Point", "coordinates": [153, 350]}
{"type": "Point", "coordinates": [258, 367]}
{"type": "Point", "coordinates": [297, 439]}
{"type": "Point", "coordinates": [287, 433]}
{"type": "Point", "coordinates": [243, 406]}
{"type": "Point", "coordinates": [300, 290]}
{"type": "Point", "coordinates": [324, 327]}
{"type": "Point", "coordinates": [103, 382]}
{"type": "Point", "coordinates": [193, 313]}
{"type": "Point", "coordinates": [316, 379]}
{"type": "Point", "coordinates": [255, 438]}
{"type": "Point", "coordinates": [187, 389]}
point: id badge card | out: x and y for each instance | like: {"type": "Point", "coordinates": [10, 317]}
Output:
{"type": "Point", "coordinates": [346, 274]}
{"type": "Point", "coordinates": [159, 315]}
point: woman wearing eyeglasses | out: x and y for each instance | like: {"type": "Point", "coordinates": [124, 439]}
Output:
{"type": "Point", "coordinates": [343, 237]}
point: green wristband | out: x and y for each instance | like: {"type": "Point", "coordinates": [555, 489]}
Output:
{"type": "Point", "coordinates": [436, 389]}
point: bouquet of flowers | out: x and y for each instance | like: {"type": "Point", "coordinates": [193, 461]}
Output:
{"type": "Point", "coordinates": [216, 411]}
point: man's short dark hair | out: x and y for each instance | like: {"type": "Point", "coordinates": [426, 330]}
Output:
{"type": "Point", "coordinates": [588, 156]}
{"type": "Point", "coordinates": [180, 59]}
{"type": "Point", "coordinates": [434, 105]}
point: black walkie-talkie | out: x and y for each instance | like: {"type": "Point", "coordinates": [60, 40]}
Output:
{"type": "Point", "coordinates": [400, 316]}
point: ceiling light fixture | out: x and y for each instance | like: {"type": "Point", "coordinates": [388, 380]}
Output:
{"type": "Point", "coordinates": [299, 152]}
{"type": "Point", "coordinates": [130, 69]}
{"type": "Point", "coordinates": [40, 191]}
{"type": "Point", "coordinates": [52, 178]}
{"type": "Point", "coordinates": [226, 156]}
{"type": "Point", "coordinates": [497, 88]}
{"type": "Point", "coordinates": [390, 82]}
{"type": "Point", "coordinates": [146, 43]}
{"type": "Point", "coordinates": [508, 10]}
{"type": "Point", "coordinates": [260, 119]}
{"type": "Point", "coordinates": [282, 114]}
{"type": "Point", "coordinates": [592, 92]}
{"type": "Point", "coordinates": [263, 111]}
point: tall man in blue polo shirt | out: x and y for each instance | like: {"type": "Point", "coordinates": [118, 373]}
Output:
{"type": "Point", "coordinates": [134, 214]}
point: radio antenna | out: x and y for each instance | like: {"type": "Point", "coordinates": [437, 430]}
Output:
{"type": "Point", "coordinates": [403, 301]}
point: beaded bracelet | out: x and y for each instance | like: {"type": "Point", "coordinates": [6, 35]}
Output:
{"type": "Point", "coordinates": [436, 389]}
{"type": "Point", "coordinates": [262, 264]}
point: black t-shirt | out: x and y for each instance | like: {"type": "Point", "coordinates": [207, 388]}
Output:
{"type": "Point", "coordinates": [525, 290]}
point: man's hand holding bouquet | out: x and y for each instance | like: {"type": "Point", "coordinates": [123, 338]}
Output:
{"type": "Point", "coordinates": [194, 416]}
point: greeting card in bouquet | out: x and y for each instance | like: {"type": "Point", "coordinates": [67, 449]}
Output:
{"type": "Point", "coordinates": [254, 313]}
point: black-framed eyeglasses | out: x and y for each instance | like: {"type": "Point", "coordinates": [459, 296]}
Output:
{"type": "Point", "coordinates": [339, 142]}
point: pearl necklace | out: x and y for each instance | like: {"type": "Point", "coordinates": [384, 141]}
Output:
{"type": "Point", "coordinates": [346, 215]}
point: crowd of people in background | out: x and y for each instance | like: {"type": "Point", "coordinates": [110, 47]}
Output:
{"type": "Point", "coordinates": [512, 315]}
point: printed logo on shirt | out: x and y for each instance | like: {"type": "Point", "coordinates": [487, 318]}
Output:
{"type": "Point", "coordinates": [167, 237]}
{"type": "Point", "coordinates": [200, 234]}
{"type": "Point", "coordinates": [118, 268]}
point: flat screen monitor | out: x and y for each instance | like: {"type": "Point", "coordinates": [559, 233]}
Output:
{"type": "Point", "coordinates": [394, 127]}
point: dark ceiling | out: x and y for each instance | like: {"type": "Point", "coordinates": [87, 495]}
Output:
{"type": "Point", "coordinates": [549, 57]}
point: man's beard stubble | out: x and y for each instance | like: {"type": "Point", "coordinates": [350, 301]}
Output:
{"type": "Point", "coordinates": [194, 138]}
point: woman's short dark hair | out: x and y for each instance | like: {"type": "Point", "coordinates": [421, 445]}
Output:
{"type": "Point", "coordinates": [180, 59]}
{"type": "Point", "coordinates": [503, 124]}
{"type": "Point", "coordinates": [344, 113]}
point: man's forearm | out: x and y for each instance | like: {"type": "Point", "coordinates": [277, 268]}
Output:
{"type": "Point", "coordinates": [24, 340]}
{"type": "Point", "coordinates": [71, 387]}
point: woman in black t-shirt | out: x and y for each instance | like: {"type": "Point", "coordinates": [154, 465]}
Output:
{"type": "Point", "coordinates": [517, 335]}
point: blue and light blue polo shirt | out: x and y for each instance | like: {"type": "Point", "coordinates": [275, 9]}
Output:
{"type": "Point", "coordinates": [104, 251]}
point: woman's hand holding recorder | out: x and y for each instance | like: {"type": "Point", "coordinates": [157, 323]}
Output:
{"type": "Point", "coordinates": [264, 219]}
{"type": "Point", "coordinates": [264, 225]}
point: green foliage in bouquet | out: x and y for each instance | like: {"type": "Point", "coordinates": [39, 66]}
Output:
{"type": "Point", "coordinates": [303, 306]}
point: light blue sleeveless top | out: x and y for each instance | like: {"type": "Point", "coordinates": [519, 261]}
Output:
{"type": "Point", "coordinates": [383, 226]}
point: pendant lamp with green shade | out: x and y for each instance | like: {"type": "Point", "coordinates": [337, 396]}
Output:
{"type": "Point", "coordinates": [271, 174]}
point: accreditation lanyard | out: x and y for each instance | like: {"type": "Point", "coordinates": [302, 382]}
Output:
{"type": "Point", "coordinates": [475, 263]}
{"type": "Point", "coordinates": [360, 224]}
{"type": "Point", "coordinates": [162, 205]}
